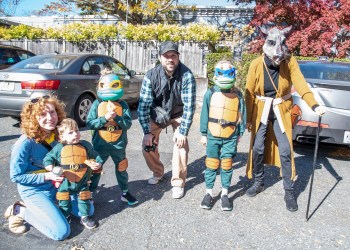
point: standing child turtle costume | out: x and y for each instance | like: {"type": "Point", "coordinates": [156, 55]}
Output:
{"type": "Point", "coordinates": [110, 118]}
{"type": "Point", "coordinates": [222, 122]}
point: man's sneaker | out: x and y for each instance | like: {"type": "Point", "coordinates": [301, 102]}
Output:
{"type": "Point", "coordinates": [225, 203]}
{"type": "Point", "coordinates": [87, 222]}
{"type": "Point", "coordinates": [255, 189]}
{"type": "Point", "coordinates": [207, 202]}
{"type": "Point", "coordinates": [127, 197]}
{"type": "Point", "coordinates": [154, 180]}
{"type": "Point", "coordinates": [178, 192]}
{"type": "Point", "coordinates": [291, 201]}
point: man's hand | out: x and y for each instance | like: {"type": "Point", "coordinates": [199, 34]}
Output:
{"type": "Point", "coordinates": [320, 110]}
{"type": "Point", "coordinates": [204, 140]}
{"type": "Point", "coordinates": [180, 140]}
{"type": "Point", "coordinates": [147, 140]}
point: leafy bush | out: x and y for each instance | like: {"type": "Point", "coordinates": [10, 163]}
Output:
{"type": "Point", "coordinates": [86, 32]}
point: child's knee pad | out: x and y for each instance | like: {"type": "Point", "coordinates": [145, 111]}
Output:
{"type": "Point", "coordinates": [62, 196]}
{"type": "Point", "coordinates": [123, 165]}
{"type": "Point", "coordinates": [212, 163]}
{"type": "Point", "coordinates": [85, 195]}
{"type": "Point", "coordinates": [226, 164]}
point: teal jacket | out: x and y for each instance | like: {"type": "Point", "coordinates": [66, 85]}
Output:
{"type": "Point", "coordinates": [94, 123]}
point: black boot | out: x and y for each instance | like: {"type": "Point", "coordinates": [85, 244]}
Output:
{"type": "Point", "coordinates": [291, 201]}
{"type": "Point", "coordinates": [257, 187]}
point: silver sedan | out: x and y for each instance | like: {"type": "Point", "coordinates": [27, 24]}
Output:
{"type": "Point", "coordinates": [71, 77]}
{"type": "Point", "coordinates": [330, 83]}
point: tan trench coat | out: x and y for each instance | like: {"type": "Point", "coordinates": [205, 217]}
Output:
{"type": "Point", "coordinates": [289, 74]}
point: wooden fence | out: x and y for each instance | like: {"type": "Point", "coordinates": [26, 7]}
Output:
{"type": "Point", "coordinates": [139, 56]}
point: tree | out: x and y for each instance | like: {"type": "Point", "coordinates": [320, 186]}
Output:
{"type": "Point", "coordinates": [8, 7]}
{"type": "Point", "coordinates": [321, 27]}
{"type": "Point", "coordinates": [132, 11]}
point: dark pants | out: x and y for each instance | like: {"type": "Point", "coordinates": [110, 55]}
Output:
{"type": "Point", "coordinates": [284, 150]}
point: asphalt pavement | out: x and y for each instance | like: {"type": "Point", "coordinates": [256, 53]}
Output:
{"type": "Point", "coordinates": [160, 222]}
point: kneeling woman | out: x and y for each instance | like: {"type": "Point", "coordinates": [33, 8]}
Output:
{"type": "Point", "coordinates": [39, 119]}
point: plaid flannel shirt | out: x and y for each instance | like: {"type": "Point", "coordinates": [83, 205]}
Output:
{"type": "Point", "coordinates": [188, 97]}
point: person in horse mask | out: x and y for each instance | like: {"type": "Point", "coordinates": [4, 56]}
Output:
{"type": "Point", "coordinates": [269, 103]}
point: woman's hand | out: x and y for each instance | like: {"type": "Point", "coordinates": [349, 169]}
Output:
{"type": "Point", "coordinates": [204, 140]}
{"type": "Point", "coordinates": [320, 110]}
{"type": "Point", "coordinates": [51, 176]}
{"type": "Point", "coordinates": [248, 127]}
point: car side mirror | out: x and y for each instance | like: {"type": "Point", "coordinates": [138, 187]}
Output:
{"type": "Point", "coordinates": [132, 73]}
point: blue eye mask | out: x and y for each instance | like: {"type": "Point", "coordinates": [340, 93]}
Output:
{"type": "Point", "coordinates": [228, 73]}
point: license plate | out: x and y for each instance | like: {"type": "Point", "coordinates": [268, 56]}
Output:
{"type": "Point", "coordinates": [346, 137]}
{"type": "Point", "coordinates": [7, 86]}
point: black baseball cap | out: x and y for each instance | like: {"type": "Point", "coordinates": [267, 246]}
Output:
{"type": "Point", "coordinates": [168, 46]}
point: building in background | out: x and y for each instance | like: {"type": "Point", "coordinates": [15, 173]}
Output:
{"type": "Point", "coordinates": [215, 15]}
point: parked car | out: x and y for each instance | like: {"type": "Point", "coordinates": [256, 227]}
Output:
{"type": "Point", "coordinates": [330, 83]}
{"type": "Point", "coordinates": [71, 77]}
{"type": "Point", "coordinates": [10, 55]}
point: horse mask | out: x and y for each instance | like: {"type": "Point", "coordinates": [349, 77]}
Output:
{"type": "Point", "coordinates": [275, 47]}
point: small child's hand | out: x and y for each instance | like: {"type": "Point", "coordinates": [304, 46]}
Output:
{"type": "Point", "coordinates": [110, 115]}
{"type": "Point", "coordinates": [96, 166]}
{"type": "Point", "coordinates": [93, 164]}
{"type": "Point", "coordinates": [204, 140]}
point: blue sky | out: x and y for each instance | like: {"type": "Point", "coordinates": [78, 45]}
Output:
{"type": "Point", "coordinates": [28, 5]}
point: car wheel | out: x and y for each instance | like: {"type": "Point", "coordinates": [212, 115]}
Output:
{"type": "Point", "coordinates": [81, 109]}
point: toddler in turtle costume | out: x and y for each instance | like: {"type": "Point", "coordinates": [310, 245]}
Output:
{"type": "Point", "coordinates": [222, 123]}
{"type": "Point", "coordinates": [110, 118]}
{"type": "Point", "coordinates": [75, 159]}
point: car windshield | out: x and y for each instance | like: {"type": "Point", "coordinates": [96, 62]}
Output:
{"type": "Point", "coordinates": [335, 72]}
{"type": "Point", "coordinates": [47, 62]}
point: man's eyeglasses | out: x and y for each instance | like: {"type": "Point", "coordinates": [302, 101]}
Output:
{"type": "Point", "coordinates": [35, 100]}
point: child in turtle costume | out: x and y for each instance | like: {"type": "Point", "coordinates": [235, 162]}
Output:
{"type": "Point", "coordinates": [75, 159]}
{"type": "Point", "coordinates": [222, 123]}
{"type": "Point", "coordinates": [110, 118]}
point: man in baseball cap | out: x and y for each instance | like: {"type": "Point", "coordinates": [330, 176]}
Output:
{"type": "Point", "coordinates": [168, 46]}
{"type": "Point", "coordinates": [169, 86]}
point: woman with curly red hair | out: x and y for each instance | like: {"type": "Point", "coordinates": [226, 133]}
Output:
{"type": "Point", "coordinates": [39, 119]}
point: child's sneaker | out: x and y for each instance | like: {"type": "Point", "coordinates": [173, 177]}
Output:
{"type": "Point", "coordinates": [69, 219]}
{"type": "Point", "coordinates": [207, 202]}
{"type": "Point", "coordinates": [87, 222]}
{"type": "Point", "coordinates": [127, 197]}
{"type": "Point", "coordinates": [225, 203]}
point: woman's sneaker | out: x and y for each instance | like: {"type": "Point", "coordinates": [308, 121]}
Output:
{"type": "Point", "coordinates": [207, 202]}
{"type": "Point", "coordinates": [87, 222]}
{"type": "Point", "coordinates": [127, 197]}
